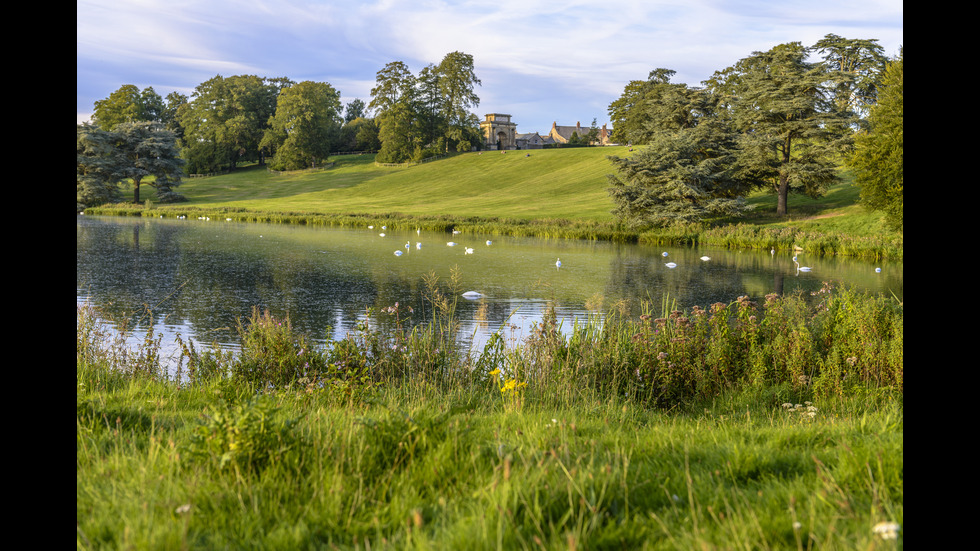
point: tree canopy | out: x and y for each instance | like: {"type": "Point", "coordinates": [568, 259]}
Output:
{"type": "Point", "coordinates": [305, 126]}
{"type": "Point", "coordinates": [777, 121]}
{"type": "Point", "coordinates": [138, 152]}
{"type": "Point", "coordinates": [688, 171]}
{"type": "Point", "coordinates": [878, 158]}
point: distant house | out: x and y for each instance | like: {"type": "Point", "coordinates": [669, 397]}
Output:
{"type": "Point", "coordinates": [562, 134]}
{"type": "Point", "coordinates": [500, 132]}
{"type": "Point", "coordinates": [531, 141]}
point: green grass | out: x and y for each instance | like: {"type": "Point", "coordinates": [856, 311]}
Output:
{"type": "Point", "coordinates": [782, 429]}
{"type": "Point", "coordinates": [552, 193]}
{"type": "Point", "coordinates": [549, 184]}
{"type": "Point", "coordinates": [412, 470]}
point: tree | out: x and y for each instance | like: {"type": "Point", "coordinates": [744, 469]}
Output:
{"type": "Point", "coordinates": [306, 124]}
{"type": "Point", "coordinates": [429, 106]}
{"type": "Point", "coordinates": [128, 104]}
{"type": "Point", "coordinates": [688, 171]}
{"type": "Point", "coordinates": [630, 113]}
{"type": "Point", "coordinates": [170, 116]}
{"type": "Point", "coordinates": [96, 178]}
{"type": "Point", "coordinates": [395, 132]}
{"type": "Point", "coordinates": [140, 152]}
{"type": "Point", "coordinates": [878, 158]}
{"type": "Point", "coordinates": [360, 134]}
{"type": "Point", "coordinates": [226, 120]}
{"type": "Point", "coordinates": [355, 110]}
{"type": "Point", "coordinates": [789, 136]}
{"type": "Point", "coordinates": [393, 85]}
{"type": "Point", "coordinates": [148, 149]}
{"type": "Point", "coordinates": [456, 80]}
{"type": "Point", "coordinates": [854, 68]}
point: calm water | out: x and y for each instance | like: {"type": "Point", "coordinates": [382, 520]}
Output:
{"type": "Point", "coordinates": [199, 277]}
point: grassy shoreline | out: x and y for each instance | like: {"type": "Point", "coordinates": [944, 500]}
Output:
{"type": "Point", "coordinates": [762, 426]}
{"type": "Point", "coordinates": [553, 193]}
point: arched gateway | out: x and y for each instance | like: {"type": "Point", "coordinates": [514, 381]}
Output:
{"type": "Point", "coordinates": [498, 130]}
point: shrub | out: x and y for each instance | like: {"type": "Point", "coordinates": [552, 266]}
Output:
{"type": "Point", "coordinates": [244, 436]}
{"type": "Point", "coordinates": [273, 354]}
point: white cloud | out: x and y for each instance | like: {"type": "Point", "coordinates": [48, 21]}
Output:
{"type": "Point", "coordinates": [543, 57]}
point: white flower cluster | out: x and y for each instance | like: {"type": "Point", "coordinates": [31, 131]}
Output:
{"type": "Point", "coordinates": [886, 530]}
{"type": "Point", "coordinates": [806, 408]}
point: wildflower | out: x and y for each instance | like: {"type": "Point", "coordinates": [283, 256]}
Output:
{"type": "Point", "coordinates": [886, 530]}
{"type": "Point", "coordinates": [787, 405]}
{"type": "Point", "coordinates": [183, 509]}
{"type": "Point", "coordinates": [797, 525]}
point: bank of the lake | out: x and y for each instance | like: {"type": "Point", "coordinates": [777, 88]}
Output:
{"type": "Point", "coordinates": [762, 426]}
{"type": "Point", "coordinates": [560, 193]}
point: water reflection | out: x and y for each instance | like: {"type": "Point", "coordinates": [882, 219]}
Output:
{"type": "Point", "coordinates": [200, 277]}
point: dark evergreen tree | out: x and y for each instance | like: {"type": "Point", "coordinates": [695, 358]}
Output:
{"type": "Point", "coordinates": [688, 171]}
{"type": "Point", "coordinates": [790, 135]}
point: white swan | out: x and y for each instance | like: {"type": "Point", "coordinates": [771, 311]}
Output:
{"type": "Point", "coordinates": [398, 253]}
{"type": "Point", "coordinates": [489, 242]}
{"type": "Point", "coordinates": [705, 258]}
{"type": "Point", "coordinates": [468, 250]}
{"type": "Point", "coordinates": [451, 244]}
{"type": "Point", "coordinates": [418, 246]}
{"type": "Point", "coordinates": [472, 294]}
{"type": "Point", "coordinates": [802, 268]}
{"type": "Point", "coordinates": [558, 264]}
{"type": "Point", "coordinates": [671, 265]}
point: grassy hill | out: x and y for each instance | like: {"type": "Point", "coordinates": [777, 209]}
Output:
{"type": "Point", "coordinates": [556, 183]}
{"type": "Point", "coordinates": [550, 192]}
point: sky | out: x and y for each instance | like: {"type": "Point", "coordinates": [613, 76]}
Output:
{"type": "Point", "coordinates": [540, 61]}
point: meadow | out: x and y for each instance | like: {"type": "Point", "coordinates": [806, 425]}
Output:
{"type": "Point", "coordinates": [550, 193]}
{"type": "Point", "coordinates": [740, 426]}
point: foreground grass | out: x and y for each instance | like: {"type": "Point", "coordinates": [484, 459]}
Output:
{"type": "Point", "coordinates": [551, 193]}
{"type": "Point", "coordinates": [413, 469]}
{"type": "Point", "coordinates": [395, 441]}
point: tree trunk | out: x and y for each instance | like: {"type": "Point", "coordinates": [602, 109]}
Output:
{"type": "Point", "coordinates": [783, 193]}
{"type": "Point", "coordinates": [136, 190]}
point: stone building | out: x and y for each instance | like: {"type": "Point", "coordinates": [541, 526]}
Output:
{"type": "Point", "coordinates": [499, 131]}
{"type": "Point", "coordinates": [562, 134]}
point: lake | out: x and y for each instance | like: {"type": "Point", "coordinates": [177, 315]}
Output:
{"type": "Point", "coordinates": [198, 277]}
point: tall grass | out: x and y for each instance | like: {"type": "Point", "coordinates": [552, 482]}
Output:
{"type": "Point", "coordinates": [764, 426]}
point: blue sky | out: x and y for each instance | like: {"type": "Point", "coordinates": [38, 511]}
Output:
{"type": "Point", "coordinates": [541, 61]}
